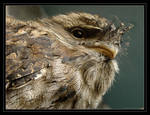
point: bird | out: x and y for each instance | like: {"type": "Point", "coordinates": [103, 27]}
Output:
{"type": "Point", "coordinates": [67, 61]}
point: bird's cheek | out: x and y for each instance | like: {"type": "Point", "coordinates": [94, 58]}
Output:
{"type": "Point", "coordinates": [61, 50]}
{"type": "Point", "coordinates": [65, 52]}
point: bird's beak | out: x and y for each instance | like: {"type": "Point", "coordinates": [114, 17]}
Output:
{"type": "Point", "coordinates": [109, 51]}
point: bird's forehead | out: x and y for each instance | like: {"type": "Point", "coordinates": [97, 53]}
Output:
{"type": "Point", "coordinates": [77, 19]}
{"type": "Point", "coordinates": [94, 20]}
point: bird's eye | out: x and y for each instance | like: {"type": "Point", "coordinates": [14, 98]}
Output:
{"type": "Point", "coordinates": [78, 33]}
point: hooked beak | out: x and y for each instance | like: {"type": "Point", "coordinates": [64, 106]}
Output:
{"type": "Point", "coordinates": [109, 51]}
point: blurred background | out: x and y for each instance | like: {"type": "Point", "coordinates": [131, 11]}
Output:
{"type": "Point", "coordinates": [127, 91]}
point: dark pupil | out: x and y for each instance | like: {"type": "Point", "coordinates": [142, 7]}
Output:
{"type": "Point", "coordinates": [78, 33]}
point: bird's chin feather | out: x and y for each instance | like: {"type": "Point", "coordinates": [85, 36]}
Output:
{"type": "Point", "coordinates": [97, 78]}
{"type": "Point", "coordinates": [116, 68]}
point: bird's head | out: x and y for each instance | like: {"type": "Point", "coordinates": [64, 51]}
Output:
{"type": "Point", "coordinates": [88, 33]}
{"type": "Point", "coordinates": [92, 33]}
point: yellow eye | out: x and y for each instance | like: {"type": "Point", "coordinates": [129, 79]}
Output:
{"type": "Point", "coordinates": [78, 33]}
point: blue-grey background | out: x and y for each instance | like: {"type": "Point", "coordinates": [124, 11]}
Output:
{"type": "Point", "coordinates": [127, 91]}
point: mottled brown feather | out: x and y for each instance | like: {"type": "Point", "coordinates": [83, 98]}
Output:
{"type": "Point", "coordinates": [48, 68]}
